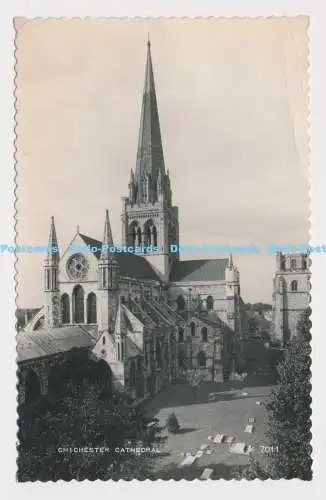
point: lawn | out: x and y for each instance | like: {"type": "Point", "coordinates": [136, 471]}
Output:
{"type": "Point", "coordinates": [226, 413]}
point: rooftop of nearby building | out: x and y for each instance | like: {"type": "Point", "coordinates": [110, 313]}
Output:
{"type": "Point", "coordinates": [50, 341]}
{"type": "Point", "coordinates": [199, 270]}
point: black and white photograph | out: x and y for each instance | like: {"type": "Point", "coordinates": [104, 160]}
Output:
{"type": "Point", "coordinates": [163, 249]}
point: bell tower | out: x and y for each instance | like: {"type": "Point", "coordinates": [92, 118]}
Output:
{"type": "Point", "coordinates": [149, 220]}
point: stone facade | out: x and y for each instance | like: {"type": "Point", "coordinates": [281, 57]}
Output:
{"type": "Point", "coordinates": [291, 295]}
{"type": "Point", "coordinates": [127, 310]}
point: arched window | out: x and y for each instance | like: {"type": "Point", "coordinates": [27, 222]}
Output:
{"type": "Point", "coordinates": [294, 286]}
{"type": "Point", "coordinates": [150, 233]}
{"type": "Point", "coordinates": [283, 262]}
{"type": "Point", "coordinates": [154, 236]}
{"type": "Point", "coordinates": [133, 236]}
{"type": "Point", "coordinates": [181, 304]}
{"type": "Point", "coordinates": [139, 238]}
{"type": "Point", "coordinates": [132, 239]}
{"type": "Point", "coordinates": [192, 329]}
{"type": "Point", "coordinates": [201, 359]}
{"type": "Point", "coordinates": [148, 236]}
{"type": "Point", "coordinates": [78, 303]}
{"type": "Point", "coordinates": [122, 351]}
{"type": "Point", "coordinates": [210, 303]}
{"type": "Point", "coordinates": [65, 309]}
{"type": "Point", "coordinates": [158, 354]}
{"type": "Point", "coordinates": [304, 263]}
{"type": "Point", "coordinates": [103, 340]}
{"type": "Point", "coordinates": [91, 308]}
{"type": "Point", "coordinates": [123, 300]}
{"type": "Point", "coordinates": [293, 264]}
{"type": "Point", "coordinates": [181, 359]}
{"type": "Point", "coordinates": [204, 334]}
{"type": "Point", "coordinates": [32, 387]}
{"type": "Point", "coordinates": [118, 351]}
{"type": "Point", "coordinates": [181, 335]}
{"type": "Point", "coordinates": [132, 373]}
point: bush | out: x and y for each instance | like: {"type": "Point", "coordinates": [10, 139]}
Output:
{"type": "Point", "coordinates": [172, 423]}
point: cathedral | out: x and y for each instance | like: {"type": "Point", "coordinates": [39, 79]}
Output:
{"type": "Point", "coordinates": [143, 319]}
{"type": "Point", "coordinates": [291, 295]}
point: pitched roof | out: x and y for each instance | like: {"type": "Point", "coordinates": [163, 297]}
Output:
{"type": "Point", "coordinates": [131, 265]}
{"type": "Point", "coordinates": [49, 341]}
{"type": "Point", "coordinates": [199, 270]}
{"type": "Point", "coordinates": [131, 348]}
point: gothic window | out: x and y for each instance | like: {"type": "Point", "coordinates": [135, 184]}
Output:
{"type": "Point", "coordinates": [135, 234]}
{"type": "Point", "coordinates": [132, 235]}
{"type": "Point", "coordinates": [201, 359]}
{"type": "Point", "coordinates": [192, 329]}
{"type": "Point", "coordinates": [91, 308]}
{"type": "Point", "coordinates": [122, 351]}
{"type": "Point", "coordinates": [47, 279]}
{"type": "Point", "coordinates": [150, 233]}
{"type": "Point", "coordinates": [78, 303]}
{"type": "Point", "coordinates": [204, 334]}
{"type": "Point", "coordinates": [158, 354]}
{"type": "Point", "coordinates": [55, 279]}
{"type": "Point", "coordinates": [77, 267]}
{"type": "Point", "coordinates": [181, 359]}
{"type": "Point", "coordinates": [181, 334]}
{"type": "Point", "coordinates": [294, 286]}
{"type": "Point", "coordinates": [103, 340]}
{"type": "Point", "coordinates": [65, 309]}
{"type": "Point", "coordinates": [210, 303]}
{"type": "Point", "coordinates": [154, 234]}
{"type": "Point", "coordinates": [118, 351]}
{"type": "Point", "coordinates": [32, 387]}
{"type": "Point", "coordinates": [139, 242]}
{"type": "Point", "coordinates": [181, 304]}
{"type": "Point", "coordinates": [282, 263]}
{"type": "Point", "coordinates": [132, 373]}
{"type": "Point", "coordinates": [148, 236]}
{"type": "Point", "coordinates": [293, 264]}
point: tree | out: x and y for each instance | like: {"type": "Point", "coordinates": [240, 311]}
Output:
{"type": "Point", "coordinates": [84, 418]}
{"type": "Point", "coordinates": [253, 471]}
{"type": "Point", "coordinates": [288, 420]}
{"type": "Point", "coordinates": [304, 326]}
{"type": "Point", "coordinates": [288, 424]}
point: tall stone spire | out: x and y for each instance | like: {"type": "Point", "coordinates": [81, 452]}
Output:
{"type": "Point", "coordinates": [53, 256]}
{"type": "Point", "coordinates": [150, 159]}
{"type": "Point", "coordinates": [51, 282]}
{"type": "Point", "coordinates": [107, 238]}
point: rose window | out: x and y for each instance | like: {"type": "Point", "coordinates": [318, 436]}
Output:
{"type": "Point", "coordinates": [77, 267]}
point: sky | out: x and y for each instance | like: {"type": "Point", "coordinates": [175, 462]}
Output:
{"type": "Point", "coordinates": [233, 105]}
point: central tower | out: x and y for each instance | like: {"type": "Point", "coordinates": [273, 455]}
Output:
{"type": "Point", "coordinates": [148, 217]}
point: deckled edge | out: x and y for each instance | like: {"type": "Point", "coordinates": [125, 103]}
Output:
{"type": "Point", "coordinates": [309, 159]}
{"type": "Point", "coordinates": [15, 236]}
{"type": "Point", "coordinates": [18, 23]}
